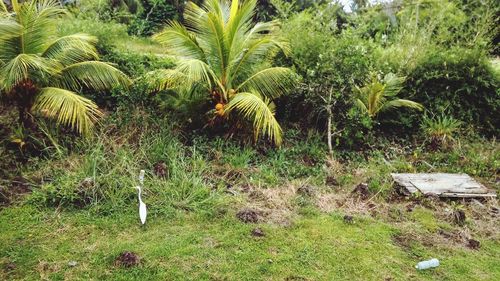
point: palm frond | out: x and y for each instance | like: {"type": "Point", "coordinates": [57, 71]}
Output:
{"type": "Point", "coordinates": [240, 22]}
{"type": "Point", "coordinates": [68, 108]}
{"type": "Point", "coordinates": [37, 19]}
{"type": "Point", "coordinates": [196, 71]}
{"type": "Point", "coordinates": [271, 82]}
{"type": "Point", "coordinates": [393, 84]}
{"type": "Point", "coordinates": [72, 49]}
{"type": "Point", "coordinates": [95, 75]}
{"type": "Point", "coordinates": [253, 53]}
{"type": "Point", "coordinates": [26, 66]}
{"type": "Point", "coordinates": [180, 42]}
{"type": "Point", "coordinates": [166, 79]}
{"type": "Point", "coordinates": [377, 96]}
{"type": "Point", "coordinates": [3, 8]}
{"type": "Point", "coordinates": [9, 28]}
{"type": "Point", "coordinates": [403, 103]}
{"type": "Point", "coordinates": [361, 105]}
{"type": "Point", "coordinates": [260, 111]}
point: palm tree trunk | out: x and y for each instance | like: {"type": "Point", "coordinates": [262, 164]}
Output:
{"type": "Point", "coordinates": [25, 117]}
{"type": "Point", "coordinates": [25, 92]}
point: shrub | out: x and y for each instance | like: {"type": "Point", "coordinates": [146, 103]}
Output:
{"type": "Point", "coordinates": [461, 82]}
{"type": "Point", "coordinates": [154, 15]}
{"type": "Point", "coordinates": [440, 130]}
{"type": "Point", "coordinates": [332, 59]}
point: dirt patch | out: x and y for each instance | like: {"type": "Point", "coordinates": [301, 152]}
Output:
{"type": "Point", "coordinates": [127, 259]}
{"type": "Point", "coordinates": [247, 215]}
{"type": "Point", "coordinates": [348, 219]}
{"type": "Point", "coordinates": [331, 181]}
{"type": "Point", "coordinates": [473, 244]}
{"type": "Point", "coordinates": [403, 241]}
{"type": "Point", "coordinates": [9, 266]}
{"type": "Point", "coordinates": [308, 160]}
{"type": "Point", "coordinates": [361, 191]}
{"type": "Point", "coordinates": [306, 191]}
{"type": "Point", "coordinates": [459, 217]}
{"type": "Point", "coordinates": [296, 278]}
{"type": "Point", "coordinates": [13, 190]}
{"type": "Point", "coordinates": [330, 202]}
{"type": "Point", "coordinates": [275, 205]}
{"type": "Point", "coordinates": [257, 232]}
{"type": "Point", "coordinates": [45, 269]}
{"type": "Point", "coordinates": [160, 169]}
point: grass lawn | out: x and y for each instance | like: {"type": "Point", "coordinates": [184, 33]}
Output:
{"type": "Point", "coordinates": [39, 244]}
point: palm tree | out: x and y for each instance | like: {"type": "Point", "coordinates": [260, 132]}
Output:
{"type": "Point", "coordinates": [42, 74]}
{"type": "Point", "coordinates": [223, 52]}
{"type": "Point", "coordinates": [377, 96]}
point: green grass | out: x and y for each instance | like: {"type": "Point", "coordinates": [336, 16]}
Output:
{"type": "Point", "coordinates": [189, 247]}
{"type": "Point", "coordinates": [192, 231]}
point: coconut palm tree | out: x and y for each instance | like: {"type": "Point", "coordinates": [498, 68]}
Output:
{"type": "Point", "coordinates": [379, 95]}
{"type": "Point", "coordinates": [221, 50]}
{"type": "Point", "coordinates": [41, 73]}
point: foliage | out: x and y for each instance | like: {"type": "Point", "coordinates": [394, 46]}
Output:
{"type": "Point", "coordinates": [42, 75]}
{"type": "Point", "coordinates": [225, 55]}
{"type": "Point", "coordinates": [461, 82]}
{"type": "Point", "coordinates": [154, 15]}
{"type": "Point", "coordinates": [380, 95]}
{"type": "Point", "coordinates": [440, 129]}
{"type": "Point", "coordinates": [102, 178]}
{"type": "Point", "coordinates": [332, 59]}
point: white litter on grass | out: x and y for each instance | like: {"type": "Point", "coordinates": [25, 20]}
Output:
{"type": "Point", "coordinates": [427, 264]}
{"type": "Point", "coordinates": [142, 207]}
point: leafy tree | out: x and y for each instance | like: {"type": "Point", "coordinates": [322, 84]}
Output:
{"type": "Point", "coordinates": [223, 52]}
{"type": "Point", "coordinates": [42, 74]}
{"type": "Point", "coordinates": [377, 96]}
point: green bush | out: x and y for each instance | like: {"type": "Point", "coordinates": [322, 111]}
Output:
{"type": "Point", "coordinates": [154, 15]}
{"type": "Point", "coordinates": [333, 58]}
{"type": "Point", "coordinates": [461, 82]}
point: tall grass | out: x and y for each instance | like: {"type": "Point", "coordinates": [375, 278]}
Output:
{"type": "Point", "coordinates": [100, 172]}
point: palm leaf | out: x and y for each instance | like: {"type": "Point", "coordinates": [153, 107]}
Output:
{"type": "Point", "coordinates": [95, 75]}
{"type": "Point", "coordinates": [68, 109]}
{"type": "Point", "coordinates": [38, 21]}
{"type": "Point", "coordinates": [72, 49]}
{"type": "Point", "coordinates": [9, 28]}
{"type": "Point", "coordinates": [179, 42]}
{"type": "Point", "coordinates": [196, 71]}
{"type": "Point", "coordinates": [3, 7]}
{"type": "Point", "coordinates": [258, 110]}
{"type": "Point", "coordinates": [361, 105]}
{"type": "Point", "coordinates": [393, 84]}
{"type": "Point", "coordinates": [164, 79]}
{"type": "Point", "coordinates": [403, 103]}
{"type": "Point", "coordinates": [24, 67]}
{"type": "Point", "coordinates": [252, 53]}
{"type": "Point", "coordinates": [271, 82]}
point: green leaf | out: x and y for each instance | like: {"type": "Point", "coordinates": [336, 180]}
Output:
{"type": "Point", "coordinates": [72, 49]}
{"type": "Point", "coordinates": [24, 67]}
{"type": "Point", "coordinates": [260, 111]}
{"type": "Point", "coordinates": [68, 108]}
{"type": "Point", "coordinates": [270, 82]}
{"type": "Point", "coordinates": [95, 75]}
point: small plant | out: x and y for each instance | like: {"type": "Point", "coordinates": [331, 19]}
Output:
{"type": "Point", "coordinates": [440, 130]}
{"type": "Point", "coordinates": [378, 95]}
